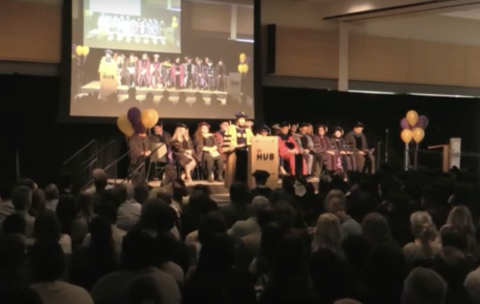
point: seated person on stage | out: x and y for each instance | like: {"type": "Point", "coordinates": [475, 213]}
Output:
{"type": "Point", "coordinates": [344, 152]}
{"type": "Point", "coordinates": [182, 149]}
{"type": "Point", "coordinates": [261, 188]}
{"type": "Point", "coordinates": [139, 145]}
{"type": "Point", "coordinates": [324, 150]}
{"type": "Point", "coordinates": [289, 151]}
{"type": "Point", "coordinates": [305, 143]}
{"type": "Point", "coordinates": [238, 138]}
{"type": "Point", "coordinates": [160, 136]}
{"type": "Point", "coordinates": [219, 135]}
{"type": "Point", "coordinates": [264, 131]}
{"type": "Point", "coordinates": [206, 147]}
{"type": "Point", "coordinates": [363, 155]}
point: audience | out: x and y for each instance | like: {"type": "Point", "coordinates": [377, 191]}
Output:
{"type": "Point", "coordinates": [362, 239]}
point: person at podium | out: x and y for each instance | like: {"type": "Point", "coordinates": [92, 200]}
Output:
{"type": "Point", "coordinates": [236, 142]}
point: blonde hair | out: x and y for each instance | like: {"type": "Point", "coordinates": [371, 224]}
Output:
{"type": "Point", "coordinates": [417, 221]}
{"type": "Point", "coordinates": [460, 216]}
{"type": "Point", "coordinates": [177, 135]}
{"type": "Point", "coordinates": [328, 234]}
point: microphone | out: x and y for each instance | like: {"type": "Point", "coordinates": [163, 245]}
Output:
{"type": "Point", "coordinates": [386, 144]}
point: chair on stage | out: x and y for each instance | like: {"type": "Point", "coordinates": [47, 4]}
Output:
{"type": "Point", "coordinates": [158, 160]}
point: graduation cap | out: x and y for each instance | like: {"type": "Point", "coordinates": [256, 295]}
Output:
{"type": "Point", "coordinates": [241, 115]}
{"type": "Point", "coordinates": [261, 175]}
{"type": "Point", "coordinates": [337, 129]}
{"type": "Point", "coordinates": [265, 128]}
{"type": "Point", "coordinates": [182, 125]}
{"type": "Point", "coordinates": [358, 124]}
{"type": "Point", "coordinates": [109, 52]}
{"type": "Point", "coordinates": [276, 127]}
{"type": "Point", "coordinates": [283, 124]}
{"type": "Point", "coordinates": [303, 124]}
{"type": "Point", "coordinates": [203, 123]}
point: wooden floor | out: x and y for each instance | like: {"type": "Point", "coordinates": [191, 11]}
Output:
{"type": "Point", "coordinates": [94, 86]}
{"type": "Point", "coordinates": [219, 192]}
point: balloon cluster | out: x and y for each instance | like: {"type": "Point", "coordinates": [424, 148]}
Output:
{"type": "Point", "coordinates": [243, 66]}
{"type": "Point", "coordinates": [137, 121]}
{"type": "Point", "coordinates": [81, 50]}
{"type": "Point", "coordinates": [174, 22]}
{"type": "Point", "coordinates": [413, 127]}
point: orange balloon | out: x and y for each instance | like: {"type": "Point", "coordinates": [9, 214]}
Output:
{"type": "Point", "coordinates": [418, 135]}
{"type": "Point", "coordinates": [125, 126]}
{"type": "Point", "coordinates": [149, 118]}
{"type": "Point", "coordinates": [407, 136]}
{"type": "Point", "coordinates": [85, 51]}
{"type": "Point", "coordinates": [243, 58]}
{"type": "Point", "coordinates": [412, 118]}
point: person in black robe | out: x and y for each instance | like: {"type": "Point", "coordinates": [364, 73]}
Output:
{"type": "Point", "coordinates": [139, 145]}
{"type": "Point", "coordinates": [261, 188]}
{"type": "Point", "coordinates": [222, 75]}
{"type": "Point", "coordinates": [363, 155]}
{"type": "Point", "coordinates": [343, 151]}
{"type": "Point", "coordinates": [206, 148]}
{"type": "Point", "coordinates": [182, 150]}
{"type": "Point", "coordinates": [159, 135]}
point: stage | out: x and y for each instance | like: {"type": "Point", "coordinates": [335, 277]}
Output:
{"type": "Point", "coordinates": [219, 192]}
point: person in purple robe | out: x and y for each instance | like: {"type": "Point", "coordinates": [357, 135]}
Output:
{"type": "Point", "coordinates": [323, 148]}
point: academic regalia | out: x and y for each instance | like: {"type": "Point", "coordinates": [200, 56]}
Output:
{"type": "Point", "coordinates": [131, 71]}
{"type": "Point", "coordinates": [348, 160]}
{"type": "Point", "coordinates": [219, 136]}
{"type": "Point", "coordinates": [287, 142]}
{"type": "Point", "coordinates": [358, 142]}
{"type": "Point", "coordinates": [166, 70]}
{"type": "Point", "coordinates": [222, 75]}
{"type": "Point", "coordinates": [178, 150]}
{"type": "Point", "coordinates": [237, 159]}
{"type": "Point", "coordinates": [210, 75]}
{"type": "Point", "coordinates": [322, 145]}
{"type": "Point", "coordinates": [177, 75]}
{"type": "Point", "coordinates": [143, 73]}
{"type": "Point", "coordinates": [208, 161]}
{"type": "Point", "coordinates": [261, 189]}
{"type": "Point", "coordinates": [155, 72]}
{"type": "Point", "coordinates": [137, 145]}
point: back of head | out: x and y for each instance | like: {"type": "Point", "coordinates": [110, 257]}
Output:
{"type": "Point", "coordinates": [347, 301]}
{"type": "Point", "coordinates": [272, 235]}
{"type": "Point", "coordinates": [356, 249]}
{"type": "Point", "coordinates": [27, 182]}
{"type": "Point", "coordinates": [51, 192]}
{"type": "Point", "coordinates": [66, 212]}
{"type": "Point", "coordinates": [428, 233]}
{"type": "Point", "coordinates": [375, 228]}
{"type": "Point", "coordinates": [22, 198]}
{"type": "Point", "coordinates": [137, 178]}
{"type": "Point", "coordinates": [460, 216]}
{"type": "Point", "coordinates": [120, 193]}
{"type": "Point", "coordinates": [212, 224]}
{"type": "Point", "coordinates": [141, 192]}
{"type": "Point", "coordinates": [385, 267]}
{"type": "Point", "coordinates": [259, 203]}
{"type": "Point", "coordinates": [108, 211]}
{"type": "Point", "coordinates": [157, 216]}
{"type": "Point", "coordinates": [144, 290]}
{"type": "Point", "coordinates": [265, 216]}
{"type": "Point", "coordinates": [290, 258]}
{"type": "Point", "coordinates": [417, 220]}
{"type": "Point", "coordinates": [454, 236]}
{"type": "Point", "coordinates": [239, 193]}
{"type": "Point", "coordinates": [47, 227]}
{"type": "Point", "coordinates": [100, 230]}
{"type": "Point", "coordinates": [335, 204]}
{"type": "Point", "coordinates": [12, 250]}
{"type": "Point", "coordinates": [285, 215]}
{"type": "Point", "coordinates": [47, 260]}
{"type": "Point", "coordinates": [217, 254]}
{"type": "Point", "coordinates": [14, 223]}
{"type": "Point", "coordinates": [424, 286]}
{"type": "Point", "coordinates": [38, 201]}
{"type": "Point", "coordinates": [328, 234]}
{"type": "Point", "coordinates": [100, 179]}
{"type": "Point", "coordinates": [138, 250]}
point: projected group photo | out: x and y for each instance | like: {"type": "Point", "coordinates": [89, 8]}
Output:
{"type": "Point", "coordinates": [131, 56]}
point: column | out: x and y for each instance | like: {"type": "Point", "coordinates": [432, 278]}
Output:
{"type": "Point", "coordinates": [169, 4]}
{"type": "Point", "coordinates": [233, 23]}
{"type": "Point", "coordinates": [343, 57]}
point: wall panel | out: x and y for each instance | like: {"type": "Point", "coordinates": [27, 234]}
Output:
{"type": "Point", "coordinates": [378, 59]}
{"type": "Point", "coordinates": [30, 32]}
{"type": "Point", "coordinates": [306, 53]}
{"type": "Point", "coordinates": [245, 21]}
{"type": "Point", "coordinates": [210, 17]}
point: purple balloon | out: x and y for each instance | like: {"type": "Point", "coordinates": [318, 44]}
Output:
{"type": "Point", "coordinates": [139, 128]}
{"type": "Point", "coordinates": [422, 122]}
{"type": "Point", "coordinates": [404, 124]}
{"type": "Point", "coordinates": [134, 115]}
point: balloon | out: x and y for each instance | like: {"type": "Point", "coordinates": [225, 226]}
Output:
{"type": "Point", "coordinates": [418, 135]}
{"type": "Point", "coordinates": [422, 122]}
{"type": "Point", "coordinates": [240, 68]}
{"type": "Point", "coordinates": [412, 118]}
{"type": "Point", "coordinates": [174, 24]}
{"type": "Point", "coordinates": [79, 50]}
{"type": "Point", "coordinates": [139, 128]}
{"type": "Point", "coordinates": [404, 124]}
{"type": "Point", "coordinates": [243, 57]}
{"type": "Point", "coordinates": [85, 51]}
{"type": "Point", "coordinates": [134, 115]}
{"type": "Point", "coordinates": [245, 68]}
{"type": "Point", "coordinates": [125, 126]}
{"type": "Point", "coordinates": [406, 136]}
{"type": "Point", "coordinates": [149, 118]}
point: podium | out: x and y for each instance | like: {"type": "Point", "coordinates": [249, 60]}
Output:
{"type": "Point", "coordinates": [451, 153]}
{"type": "Point", "coordinates": [263, 155]}
{"type": "Point", "coordinates": [108, 72]}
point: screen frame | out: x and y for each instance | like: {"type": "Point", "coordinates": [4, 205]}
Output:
{"type": "Point", "coordinates": [66, 66]}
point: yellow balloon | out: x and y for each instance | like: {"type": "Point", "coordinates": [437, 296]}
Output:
{"type": "Point", "coordinates": [79, 50]}
{"type": "Point", "coordinates": [245, 68]}
{"type": "Point", "coordinates": [240, 68]}
{"type": "Point", "coordinates": [243, 57]}
{"type": "Point", "coordinates": [149, 118]}
{"type": "Point", "coordinates": [85, 51]}
{"type": "Point", "coordinates": [412, 117]}
{"type": "Point", "coordinates": [406, 136]}
{"type": "Point", "coordinates": [125, 126]}
{"type": "Point", "coordinates": [174, 18]}
{"type": "Point", "coordinates": [418, 135]}
{"type": "Point", "coordinates": [174, 24]}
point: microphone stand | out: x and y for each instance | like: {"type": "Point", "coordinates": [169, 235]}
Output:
{"type": "Point", "coordinates": [386, 145]}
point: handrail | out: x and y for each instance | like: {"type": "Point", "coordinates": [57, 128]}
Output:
{"type": "Point", "coordinates": [93, 141]}
{"type": "Point", "coordinates": [98, 152]}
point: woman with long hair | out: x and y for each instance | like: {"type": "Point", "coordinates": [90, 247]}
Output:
{"type": "Point", "coordinates": [182, 148]}
{"type": "Point", "coordinates": [425, 246]}
{"type": "Point", "coordinates": [84, 210]}
{"type": "Point", "coordinates": [207, 151]}
{"type": "Point", "coordinates": [328, 234]}
{"type": "Point", "coordinates": [461, 217]}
